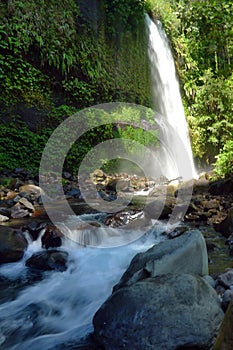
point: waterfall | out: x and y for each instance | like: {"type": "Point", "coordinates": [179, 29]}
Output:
{"type": "Point", "coordinates": [176, 154]}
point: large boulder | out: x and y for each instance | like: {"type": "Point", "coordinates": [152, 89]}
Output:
{"type": "Point", "coordinates": [173, 311]}
{"type": "Point", "coordinates": [184, 254]}
{"type": "Point", "coordinates": [12, 245]}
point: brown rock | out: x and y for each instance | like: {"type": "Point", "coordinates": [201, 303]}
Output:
{"type": "Point", "coordinates": [12, 245]}
{"type": "Point", "coordinates": [31, 189]}
{"type": "Point", "coordinates": [211, 204]}
{"type": "Point", "coordinates": [52, 237]}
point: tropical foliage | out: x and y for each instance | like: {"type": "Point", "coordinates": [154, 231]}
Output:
{"type": "Point", "coordinates": [58, 57]}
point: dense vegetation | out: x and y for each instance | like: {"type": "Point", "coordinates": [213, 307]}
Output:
{"type": "Point", "coordinates": [57, 57]}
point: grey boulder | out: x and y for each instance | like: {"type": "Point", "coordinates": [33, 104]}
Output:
{"type": "Point", "coordinates": [184, 254]}
{"type": "Point", "coordinates": [173, 311]}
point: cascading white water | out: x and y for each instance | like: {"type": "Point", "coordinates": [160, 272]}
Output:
{"type": "Point", "coordinates": [58, 309]}
{"type": "Point", "coordinates": [168, 103]}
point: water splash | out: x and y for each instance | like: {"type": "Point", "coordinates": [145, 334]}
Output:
{"type": "Point", "coordinates": [59, 308]}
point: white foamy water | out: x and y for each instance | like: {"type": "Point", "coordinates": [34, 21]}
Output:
{"type": "Point", "coordinates": [60, 307]}
{"type": "Point", "coordinates": [176, 154]}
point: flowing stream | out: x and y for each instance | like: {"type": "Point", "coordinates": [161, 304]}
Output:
{"type": "Point", "coordinates": [58, 309]}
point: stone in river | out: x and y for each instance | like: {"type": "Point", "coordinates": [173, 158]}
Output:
{"type": "Point", "coordinates": [52, 237]}
{"type": "Point", "coordinates": [48, 260]}
{"type": "Point", "coordinates": [184, 254]}
{"type": "Point", "coordinates": [172, 311]}
{"type": "Point", "coordinates": [34, 228]}
{"type": "Point", "coordinates": [226, 279]}
{"type": "Point", "coordinates": [12, 245]}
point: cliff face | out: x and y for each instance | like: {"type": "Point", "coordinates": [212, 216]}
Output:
{"type": "Point", "coordinates": [70, 53]}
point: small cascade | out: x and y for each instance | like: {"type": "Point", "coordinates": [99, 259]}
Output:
{"type": "Point", "coordinates": [58, 308]}
{"type": "Point", "coordinates": [176, 154]}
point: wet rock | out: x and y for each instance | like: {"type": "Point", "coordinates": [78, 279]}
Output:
{"type": "Point", "coordinates": [210, 280]}
{"type": "Point", "coordinates": [220, 290]}
{"type": "Point", "coordinates": [226, 299]}
{"type": "Point", "coordinates": [51, 237]}
{"type": "Point", "coordinates": [184, 254]}
{"type": "Point", "coordinates": [48, 260]}
{"type": "Point", "coordinates": [177, 232]}
{"type": "Point", "coordinates": [12, 245]}
{"type": "Point", "coordinates": [94, 223]}
{"type": "Point", "coordinates": [122, 218]}
{"type": "Point", "coordinates": [109, 197]}
{"type": "Point", "coordinates": [74, 192]}
{"type": "Point", "coordinates": [34, 229]}
{"type": "Point", "coordinates": [5, 211]}
{"type": "Point", "coordinates": [226, 226]}
{"type": "Point", "coordinates": [16, 198]}
{"type": "Point", "coordinates": [18, 212]}
{"type": "Point", "coordinates": [226, 279]}
{"type": "Point", "coordinates": [165, 312]}
{"type": "Point", "coordinates": [9, 203]}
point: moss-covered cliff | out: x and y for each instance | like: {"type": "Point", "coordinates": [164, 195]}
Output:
{"type": "Point", "coordinates": [74, 53]}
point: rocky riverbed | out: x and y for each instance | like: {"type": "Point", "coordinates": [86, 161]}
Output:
{"type": "Point", "coordinates": [209, 212]}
